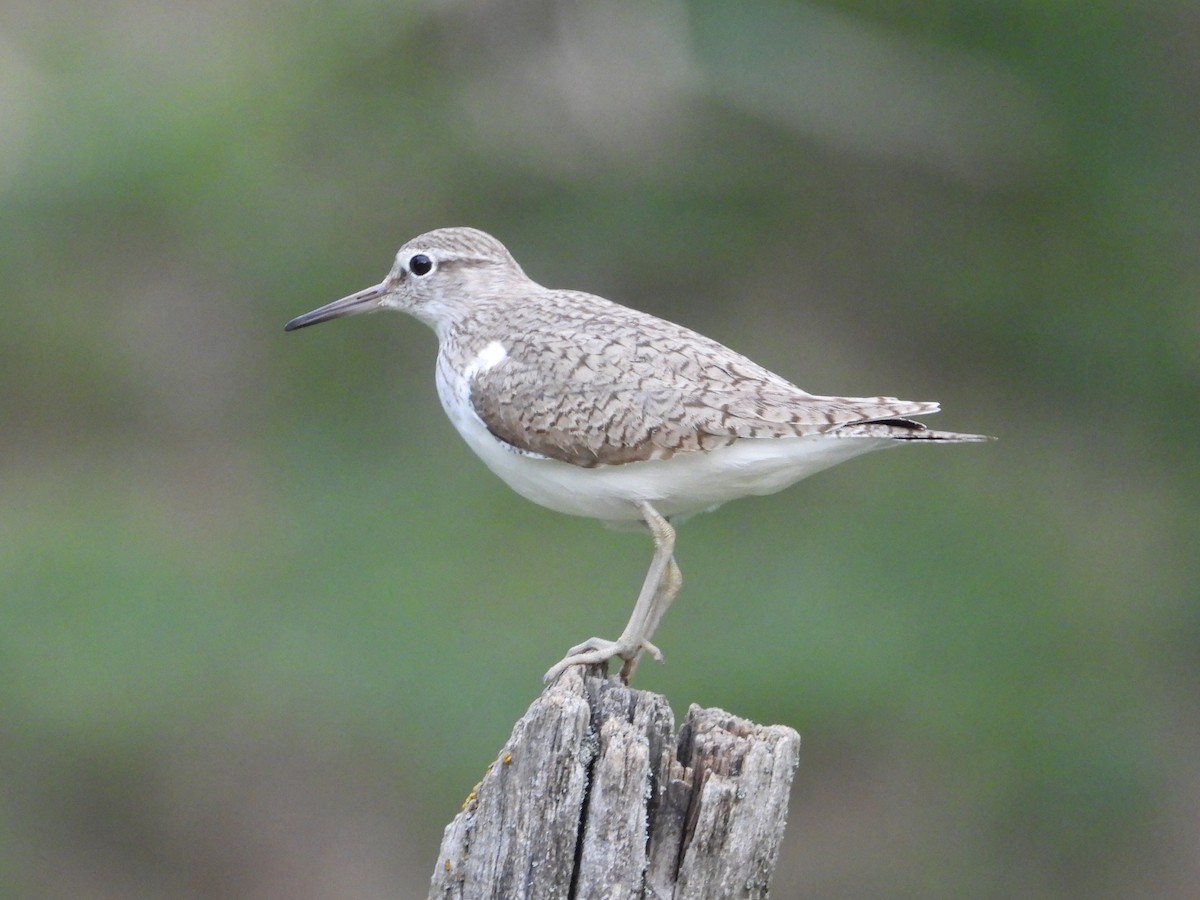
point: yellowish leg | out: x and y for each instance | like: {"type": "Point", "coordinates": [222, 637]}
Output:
{"type": "Point", "coordinates": [668, 589]}
{"type": "Point", "coordinates": [658, 590]}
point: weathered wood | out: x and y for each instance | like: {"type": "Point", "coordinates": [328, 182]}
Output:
{"type": "Point", "coordinates": [594, 797]}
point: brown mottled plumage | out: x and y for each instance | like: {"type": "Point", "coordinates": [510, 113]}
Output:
{"type": "Point", "coordinates": [599, 384]}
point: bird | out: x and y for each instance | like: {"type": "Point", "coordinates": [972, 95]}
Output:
{"type": "Point", "coordinates": [595, 409]}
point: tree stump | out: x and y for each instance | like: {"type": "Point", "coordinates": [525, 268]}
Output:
{"type": "Point", "coordinates": [594, 796]}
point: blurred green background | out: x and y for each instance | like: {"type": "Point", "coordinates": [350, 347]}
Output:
{"type": "Point", "coordinates": [264, 619]}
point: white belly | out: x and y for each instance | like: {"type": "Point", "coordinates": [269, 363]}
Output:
{"type": "Point", "coordinates": [686, 483]}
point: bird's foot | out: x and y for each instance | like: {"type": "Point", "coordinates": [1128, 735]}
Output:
{"type": "Point", "coordinates": [595, 651]}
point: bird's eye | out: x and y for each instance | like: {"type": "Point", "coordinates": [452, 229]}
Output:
{"type": "Point", "coordinates": [420, 265]}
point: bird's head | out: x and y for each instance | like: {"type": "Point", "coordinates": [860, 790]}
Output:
{"type": "Point", "coordinates": [436, 277]}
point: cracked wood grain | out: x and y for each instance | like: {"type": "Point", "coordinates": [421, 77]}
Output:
{"type": "Point", "coordinates": [595, 796]}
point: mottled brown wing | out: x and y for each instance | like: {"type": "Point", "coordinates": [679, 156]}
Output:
{"type": "Point", "coordinates": [613, 400]}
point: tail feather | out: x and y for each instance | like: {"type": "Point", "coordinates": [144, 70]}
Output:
{"type": "Point", "coordinates": [900, 429]}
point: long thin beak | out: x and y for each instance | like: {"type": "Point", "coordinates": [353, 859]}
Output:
{"type": "Point", "coordinates": [364, 301]}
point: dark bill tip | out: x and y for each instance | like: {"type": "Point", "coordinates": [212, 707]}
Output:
{"type": "Point", "coordinates": [356, 304]}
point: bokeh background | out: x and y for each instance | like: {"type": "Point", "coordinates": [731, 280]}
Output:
{"type": "Point", "coordinates": [264, 619]}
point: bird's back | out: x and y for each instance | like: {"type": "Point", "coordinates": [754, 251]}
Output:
{"type": "Point", "coordinates": [590, 382]}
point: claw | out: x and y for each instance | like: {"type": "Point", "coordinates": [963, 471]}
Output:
{"type": "Point", "coordinates": [653, 651]}
{"type": "Point", "coordinates": [596, 650]}
{"type": "Point", "coordinates": [592, 652]}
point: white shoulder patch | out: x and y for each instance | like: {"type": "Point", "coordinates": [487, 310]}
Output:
{"type": "Point", "coordinates": [488, 358]}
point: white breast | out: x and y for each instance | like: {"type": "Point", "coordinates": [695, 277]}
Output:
{"type": "Point", "coordinates": [685, 483]}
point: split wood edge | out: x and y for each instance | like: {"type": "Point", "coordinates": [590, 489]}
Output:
{"type": "Point", "coordinates": [595, 796]}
